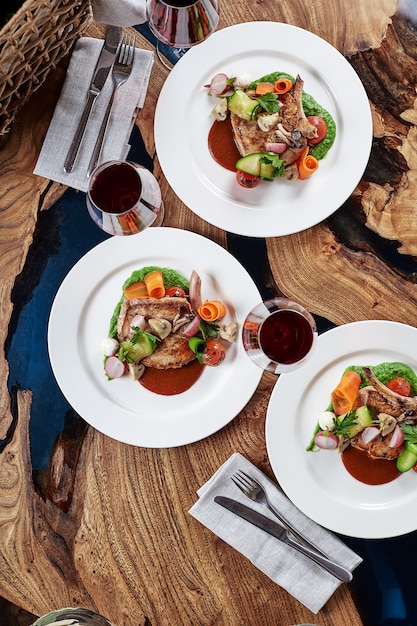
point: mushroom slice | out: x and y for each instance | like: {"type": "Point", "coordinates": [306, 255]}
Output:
{"type": "Point", "coordinates": [387, 423]}
{"type": "Point", "coordinates": [135, 370]}
{"type": "Point", "coordinates": [160, 327]}
{"type": "Point", "coordinates": [267, 121]}
{"type": "Point", "coordinates": [228, 332]}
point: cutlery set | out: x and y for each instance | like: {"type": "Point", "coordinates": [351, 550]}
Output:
{"type": "Point", "coordinates": [280, 529]}
{"type": "Point", "coordinates": [117, 55]}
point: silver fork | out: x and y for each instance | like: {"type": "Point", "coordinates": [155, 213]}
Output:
{"type": "Point", "coordinates": [122, 69]}
{"type": "Point", "coordinates": [254, 491]}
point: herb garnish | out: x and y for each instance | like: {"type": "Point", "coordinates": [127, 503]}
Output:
{"type": "Point", "coordinates": [343, 424]}
{"type": "Point", "coordinates": [269, 102]}
{"type": "Point", "coordinates": [409, 432]}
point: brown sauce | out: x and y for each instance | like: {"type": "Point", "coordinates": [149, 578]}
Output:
{"type": "Point", "coordinates": [367, 470]}
{"type": "Point", "coordinates": [172, 381]}
{"type": "Point", "coordinates": [222, 145]}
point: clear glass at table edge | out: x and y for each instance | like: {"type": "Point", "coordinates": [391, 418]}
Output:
{"type": "Point", "coordinates": [181, 24]}
{"type": "Point", "coordinates": [124, 198]}
{"type": "Point", "coordinates": [279, 335]}
{"type": "Point", "coordinates": [74, 616]}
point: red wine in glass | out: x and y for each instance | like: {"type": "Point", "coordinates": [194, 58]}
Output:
{"type": "Point", "coordinates": [182, 23]}
{"type": "Point", "coordinates": [123, 198]}
{"type": "Point", "coordinates": [286, 337]}
{"type": "Point", "coordinates": [279, 335]}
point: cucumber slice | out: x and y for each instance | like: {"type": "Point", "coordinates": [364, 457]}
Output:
{"type": "Point", "coordinates": [263, 164]}
{"type": "Point", "coordinates": [363, 418]}
{"type": "Point", "coordinates": [251, 164]}
{"type": "Point", "coordinates": [407, 458]}
{"type": "Point", "coordinates": [240, 103]}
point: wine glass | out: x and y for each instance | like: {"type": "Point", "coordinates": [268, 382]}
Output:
{"type": "Point", "coordinates": [181, 24]}
{"type": "Point", "coordinates": [124, 198]}
{"type": "Point", "coordinates": [279, 335]}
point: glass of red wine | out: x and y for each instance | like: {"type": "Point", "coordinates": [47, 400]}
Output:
{"type": "Point", "coordinates": [181, 24]}
{"type": "Point", "coordinates": [124, 198]}
{"type": "Point", "coordinates": [279, 335]}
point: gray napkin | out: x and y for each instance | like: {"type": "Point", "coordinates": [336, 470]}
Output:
{"type": "Point", "coordinates": [309, 583]}
{"type": "Point", "coordinates": [119, 12]}
{"type": "Point", "coordinates": [129, 99]}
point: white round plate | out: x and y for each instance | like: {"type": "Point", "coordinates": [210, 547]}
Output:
{"type": "Point", "coordinates": [318, 483]}
{"type": "Point", "coordinates": [182, 124]}
{"type": "Point", "coordinates": [80, 319]}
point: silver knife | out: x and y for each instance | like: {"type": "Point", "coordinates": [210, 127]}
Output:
{"type": "Point", "coordinates": [101, 71]}
{"type": "Point", "coordinates": [278, 531]}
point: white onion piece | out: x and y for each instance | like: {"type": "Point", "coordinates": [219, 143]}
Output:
{"type": "Point", "coordinates": [278, 147]}
{"type": "Point", "coordinates": [194, 290]}
{"type": "Point", "coordinates": [138, 321]}
{"type": "Point", "coordinates": [218, 84]}
{"type": "Point", "coordinates": [192, 328]}
{"type": "Point", "coordinates": [113, 367]}
{"type": "Point", "coordinates": [397, 438]}
{"type": "Point", "coordinates": [242, 80]}
{"type": "Point", "coordinates": [109, 346]}
{"type": "Point", "coordinates": [369, 434]}
{"type": "Point", "coordinates": [326, 420]}
{"type": "Point", "coordinates": [326, 440]}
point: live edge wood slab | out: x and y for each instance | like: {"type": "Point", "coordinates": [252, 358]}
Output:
{"type": "Point", "coordinates": [107, 526]}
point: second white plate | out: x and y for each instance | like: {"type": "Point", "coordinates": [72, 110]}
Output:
{"type": "Point", "coordinates": [80, 319]}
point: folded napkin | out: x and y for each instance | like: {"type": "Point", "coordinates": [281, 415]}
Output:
{"type": "Point", "coordinates": [129, 99]}
{"type": "Point", "coordinates": [120, 13]}
{"type": "Point", "coordinates": [309, 583]}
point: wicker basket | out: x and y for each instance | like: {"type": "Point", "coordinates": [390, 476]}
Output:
{"type": "Point", "coordinates": [35, 39]}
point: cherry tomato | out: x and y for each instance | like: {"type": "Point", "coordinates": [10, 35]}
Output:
{"type": "Point", "coordinates": [321, 126]}
{"type": "Point", "coordinates": [215, 353]}
{"type": "Point", "coordinates": [247, 180]}
{"type": "Point", "coordinates": [400, 385]}
{"type": "Point", "coordinates": [175, 292]}
{"type": "Point", "coordinates": [415, 467]}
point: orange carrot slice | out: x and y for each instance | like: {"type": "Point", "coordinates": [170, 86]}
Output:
{"type": "Point", "coordinates": [263, 88]}
{"type": "Point", "coordinates": [155, 284]}
{"type": "Point", "coordinates": [282, 85]}
{"type": "Point", "coordinates": [136, 290]}
{"type": "Point", "coordinates": [212, 310]}
{"type": "Point", "coordinates": [344, 395]}
{"type": "Point", "coordinates": [306, 164]}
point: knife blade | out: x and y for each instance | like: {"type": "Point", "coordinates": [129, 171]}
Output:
{"type": "Point", "coordinates": [101, 71]}
{"type": "Point", "coordinates": [278, 531]}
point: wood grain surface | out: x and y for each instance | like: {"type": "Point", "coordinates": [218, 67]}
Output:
{"type": "Point", "coordinates": [108, 527]}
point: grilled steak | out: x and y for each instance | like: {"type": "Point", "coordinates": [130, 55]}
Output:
{"type": "Point", "coordinates": [289, 126]}
{"type": "Point", "coordinates": [379, 448]}
{"type": "Point", "coordinates": [171, 352]}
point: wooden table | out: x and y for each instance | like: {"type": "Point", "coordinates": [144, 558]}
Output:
{"type": "Point", "coordinates": [81, 534]}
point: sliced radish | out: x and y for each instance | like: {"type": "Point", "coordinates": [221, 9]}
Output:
{"type": "Point", "coordinates": [397, 438]}
{"type": "Point", "coordinates": [278, 147]}
{"type": "Point", "coordinates": [218, 85]}
{"type": "Point", "coordinates": [138, 321]}
{"type": "Point", "coordinates": [326, 440]}
{"type": "Point", "coordinates": [369, 434]}
{"type": "Point", "coordinates": [192, 328]}
{"type": "Point", "coordinates": [194, 290]}
{"type": "Point", "coordinates": [113, 367]}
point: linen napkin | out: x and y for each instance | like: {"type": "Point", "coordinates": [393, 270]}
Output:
{"type": "Point", "coordinates": [129, 99]}
{"type": "Point", "coordinates": [309, 583]}
{"type": "Point", "coordinates": [120, 13]}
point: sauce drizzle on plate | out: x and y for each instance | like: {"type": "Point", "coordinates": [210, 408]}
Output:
{"type": "Point", "coordinates": [367, 470]}
{"type": "Point", "coordinates": [222, 144]}
{"type": "Point", "coordinates": [171, 381]}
